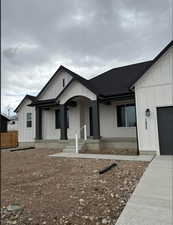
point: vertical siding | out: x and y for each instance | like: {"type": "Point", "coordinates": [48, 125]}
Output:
{"type": "Point", "coordinates": [153, 90]}
{"type": "Point", "coordinates": [26, 134]}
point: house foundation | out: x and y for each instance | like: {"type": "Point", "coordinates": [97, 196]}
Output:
{"type": "Point", "coordinates": [122, 146]}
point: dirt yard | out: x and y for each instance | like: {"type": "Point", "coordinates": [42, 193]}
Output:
{"type": "Point", "coordinates": [67, 191]}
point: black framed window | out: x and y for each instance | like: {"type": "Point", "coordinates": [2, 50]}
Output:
{"type": "Point", "coordinates": [58, 119]}
{"type": "Point", "coordinates": [126, 115]}
{"type": "Point", "coordinates": [29, 119]}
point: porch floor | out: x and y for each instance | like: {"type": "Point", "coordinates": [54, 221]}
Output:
{"type": "Point", "coordinates": [103, 156]}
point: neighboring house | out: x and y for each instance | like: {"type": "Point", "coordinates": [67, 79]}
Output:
{"type": "Point", "coordinates": [12, 124]}
{"type": "Point", "coordinates": [107, 105]}
{"type": "Point", "coordinates": [3, 123]}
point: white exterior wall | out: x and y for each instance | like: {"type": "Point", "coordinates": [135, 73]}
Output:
{"type": "Point", "coordinates": [26, 134]}
{"type": "Point", "coordinates": [55, 86]}
{"type": "Point", "coordinates": [108, 123]}
{"type": "Point", "coordinates": [48, 125]}
{"type": "Point", "coordinates": [49, 132]}
{"type": "Point", "coordinates": [76, 89]}
{"type": "Point", "coordinates": [78, 116]}
{"type": "Point", "coordinates": [154, 89]}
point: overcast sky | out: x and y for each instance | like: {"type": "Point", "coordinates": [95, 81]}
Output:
{"type": "Point", "coordinates": [87, 36]}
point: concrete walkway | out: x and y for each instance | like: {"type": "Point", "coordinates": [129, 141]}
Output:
{"type": "Point", "coordinates": [152, 201]}
{"type": "Point", "coordinates": [103, 156]}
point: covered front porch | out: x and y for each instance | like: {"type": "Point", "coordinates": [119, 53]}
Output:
{"type": "Point", "coordinates": [59, 120]}
{"type": "Point", "coordinates": [58, 124]}
{"type": "Point", "coordinates": [62, 121]}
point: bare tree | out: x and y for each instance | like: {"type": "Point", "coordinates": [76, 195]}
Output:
{"type": "Point", "coordinates": [9, 111]}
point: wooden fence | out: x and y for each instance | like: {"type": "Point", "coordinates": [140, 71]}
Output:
{"type": "Point", "coordinates": [9, 139]}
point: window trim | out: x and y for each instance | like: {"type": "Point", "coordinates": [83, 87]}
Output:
{"type": "Point", "coordinates": [125, 105]}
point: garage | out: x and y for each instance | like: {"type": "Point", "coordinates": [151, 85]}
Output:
{"type": "Point", "coordinates": [165, 129]}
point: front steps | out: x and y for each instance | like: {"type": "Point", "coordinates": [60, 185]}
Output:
{"type": "Point", "coordinates": [71, 147]}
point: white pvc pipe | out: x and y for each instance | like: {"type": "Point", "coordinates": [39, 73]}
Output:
{"type": "Point", "coordinates": [85, 132]}
{"type": "Point", "coordinates": [76, 140]}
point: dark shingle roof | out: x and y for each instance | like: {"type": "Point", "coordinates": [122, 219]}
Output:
{"type": "Point", "coordinates": [3, 117]}
{"type": "Point", "coordinates": [117, 81]}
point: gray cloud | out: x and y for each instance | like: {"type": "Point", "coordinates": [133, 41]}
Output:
{"type": "Point", "coordinates": [88, 37]}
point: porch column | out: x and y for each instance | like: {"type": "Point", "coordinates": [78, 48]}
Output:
{"type": "Point", "coordinates": [63, 122]}
{"type": "Point", "coordinates": [96, 119]}
{"type": "Point", "coordinates": [38, 123]}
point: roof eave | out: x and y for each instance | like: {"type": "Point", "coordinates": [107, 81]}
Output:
{"type": "Point", "coordinates": [26, 96]}
{"type": "Point", "coordinates": [117, 96]}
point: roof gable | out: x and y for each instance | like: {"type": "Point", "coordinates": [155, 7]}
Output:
{"type": "Point", "coordinates": [30, 97]}
{"type": "Point", "coordinates": [75, 89]}
{"type": "Point", "coordinates": [55, 84]}
{"type": "Point", "coordinates": [154, 61]}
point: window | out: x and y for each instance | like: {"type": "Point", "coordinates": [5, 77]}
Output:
{"type": "Point", "coordinates": [63, 82]}
{"type": "Point", "coordinates": [29, 120]}
{"type": "Point", "coordinates": [58, 119]}
{"type": "Point", "coordinates": [126, 116]}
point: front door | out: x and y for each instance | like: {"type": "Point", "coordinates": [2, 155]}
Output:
{"type": "Point", "coordinates": [91, 121]}
{"type": "Point", "coordinates": [165, 129]}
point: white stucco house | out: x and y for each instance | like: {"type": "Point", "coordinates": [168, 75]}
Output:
{"type": "Point", "coordinates": [128, 108]}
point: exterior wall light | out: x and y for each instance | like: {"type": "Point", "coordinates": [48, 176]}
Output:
{"type": "Point", "coordinates": [147, 112]}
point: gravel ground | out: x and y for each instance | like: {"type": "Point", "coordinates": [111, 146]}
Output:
{"type": "Point", "coordinates": [67, 191]}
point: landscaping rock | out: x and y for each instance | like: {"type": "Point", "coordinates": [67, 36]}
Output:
{"type": "Point", "coordinates": [64, 191]}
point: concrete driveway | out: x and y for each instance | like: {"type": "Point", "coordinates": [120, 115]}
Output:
{"type": "Point", "coordinates": [152, 200]}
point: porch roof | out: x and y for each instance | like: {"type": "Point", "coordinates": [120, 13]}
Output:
{"type": "Point", "coordinates": [47, 102]}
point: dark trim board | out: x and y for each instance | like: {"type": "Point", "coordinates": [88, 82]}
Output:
{"type": "Point", "coordinates": [165, 129]}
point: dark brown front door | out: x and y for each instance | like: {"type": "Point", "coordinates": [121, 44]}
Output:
{"type": "Point", "coordinates": [165, 129]}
